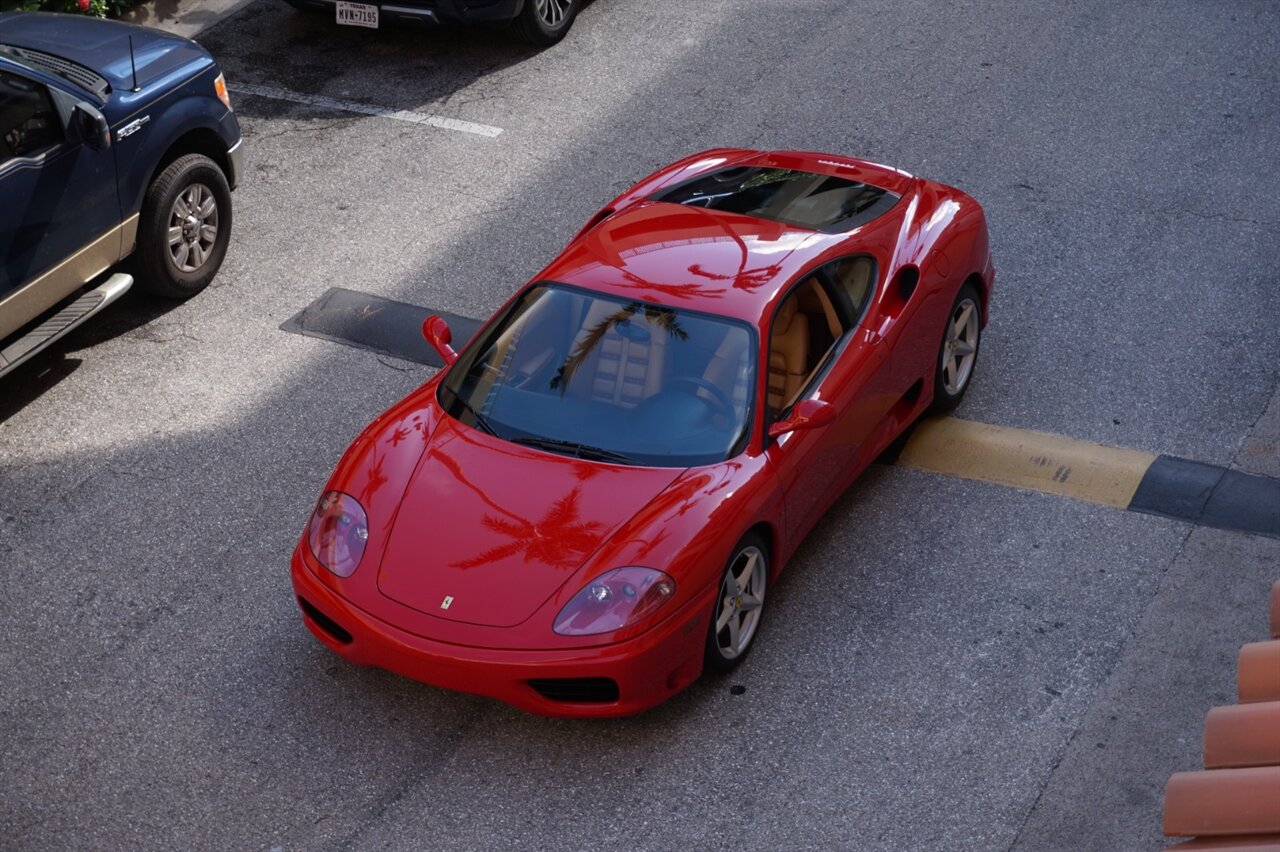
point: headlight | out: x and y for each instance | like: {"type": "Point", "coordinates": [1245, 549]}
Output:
{"type": "Point", "coordinates": [338, 532]}
{"type": "Point", "coordinates": [220, 88]}
{"type": "Point", "coordinates": [614, 600]}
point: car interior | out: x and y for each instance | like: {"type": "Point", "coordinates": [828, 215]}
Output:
{"type": "Point", "coordinates": [802, 337]}
{"type": "Point", "coordinates": [28, 123]}
{"type": "Point", "coordinates": [809, 322]}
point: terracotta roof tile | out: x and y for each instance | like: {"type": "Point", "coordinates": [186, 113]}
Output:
{"type": "Point", "coordinates": [1223, 801]}
{"type": "Point", "coordinates": [1275, 610]}
{"type": "Point", "coordinates": [1258, 678]}
{"type": "Point", "coordinates": [1258, 843]}
{"type": "Point", "coordinates": [1242, 735]}
{"type": "Point", "coordinates": [1235, 803]}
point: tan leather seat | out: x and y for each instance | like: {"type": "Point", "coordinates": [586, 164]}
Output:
{"type": "Point", "coordinates": [854, 276]}
{"type": "Point", "coordinates": [729, 368]}
{"type": "Point", "coordinates": [788, 354]}
{"type": "Point", "coordinates": [619, 369]}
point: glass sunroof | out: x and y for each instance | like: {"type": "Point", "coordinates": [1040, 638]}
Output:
{"type": "Point", "coordinates": [805, 199]}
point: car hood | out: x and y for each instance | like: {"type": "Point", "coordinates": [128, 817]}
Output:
{"type": "Point", "coordinates": [487, 531]}
{"type": "Point", "coordinates": [102, 46]}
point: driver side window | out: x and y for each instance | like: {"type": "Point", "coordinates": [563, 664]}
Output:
{"type": "Point", "coordinates": [803, 335]}
{"type": "Point", "coordinates": [28, 122]}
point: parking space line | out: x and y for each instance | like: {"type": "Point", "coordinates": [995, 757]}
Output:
{"type": "Point", "coordinates": [322, 102]}
{"type": "Point", "coordinates": [1021, 458]}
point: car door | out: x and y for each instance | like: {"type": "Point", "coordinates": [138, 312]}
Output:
{"type": "Point", "coordinates": [842, 366]}
{"type": "Point", "coordinates": [59, 201]}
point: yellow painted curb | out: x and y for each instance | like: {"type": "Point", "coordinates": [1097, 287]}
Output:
{"type": "Point", "coordinates": [1024, 459]}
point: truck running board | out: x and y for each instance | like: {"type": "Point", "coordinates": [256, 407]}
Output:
{"type": "Point", "coordinates": [71, 315]}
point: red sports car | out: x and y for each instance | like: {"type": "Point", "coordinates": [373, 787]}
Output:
{"type": "Point", "coordinates": [587, 506]}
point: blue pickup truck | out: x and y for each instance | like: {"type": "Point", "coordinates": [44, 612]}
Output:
{"type": "Point", "coordinates": [115, 140]}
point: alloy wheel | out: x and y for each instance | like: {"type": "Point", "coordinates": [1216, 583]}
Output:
{"type": "Point", "coordinates": [741, 599]}
{"type": "Point", "coordinates": [553, 12]}
{"type": "Point", "coordinates": [193, 227]}
{"type": "Point", "coordinates": [960, 348]}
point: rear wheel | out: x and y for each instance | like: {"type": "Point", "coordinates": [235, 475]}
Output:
{"type": "Point", "coordinates": [542, 23]}
{"type": "Point", "coordinates": [735, 619]}
{"type": "Point", "coordinates": [184, 228]}
{"type": "Point", "coordinates": [958, 352]}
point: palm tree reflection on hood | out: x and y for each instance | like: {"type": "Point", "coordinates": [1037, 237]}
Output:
{"type": "Point", "coordinates": [559, 538]}
{"type": "Point", "coordinates": [664, 318]}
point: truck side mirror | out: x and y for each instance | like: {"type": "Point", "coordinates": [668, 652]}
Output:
{"type": "Point", "coordinates": [91, 125]}
{"type": "Point", "coordinates": [437, 333]}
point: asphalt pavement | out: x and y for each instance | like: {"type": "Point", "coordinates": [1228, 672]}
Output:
{"type": "Point", "coordinates": [947, 663]}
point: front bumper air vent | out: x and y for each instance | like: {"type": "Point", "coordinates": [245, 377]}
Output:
{"type": "Point", "coordinates": [578, 690]}
{"type": "Point", "coordinates": [324, 622]}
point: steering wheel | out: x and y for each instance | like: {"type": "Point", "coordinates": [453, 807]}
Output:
{"type": "Point", "coordinates": [720, 402]}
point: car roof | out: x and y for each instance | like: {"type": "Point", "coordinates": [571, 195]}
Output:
{"type": "Point", "coordinates": [716, 261]}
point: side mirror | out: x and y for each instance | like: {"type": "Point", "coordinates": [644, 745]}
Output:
{"type": "Point", "coordinates": [437, 333]}
{"type": "Point", "coordinates": [92, 126]}
{"type": "Point", "coordinates": [807, 414]}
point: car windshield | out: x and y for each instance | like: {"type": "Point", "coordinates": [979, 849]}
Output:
{"type": "Point", "coordinates": [597, 377]}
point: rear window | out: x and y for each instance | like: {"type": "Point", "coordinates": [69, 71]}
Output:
{"type": "Point", "coordinates": [804, 199]}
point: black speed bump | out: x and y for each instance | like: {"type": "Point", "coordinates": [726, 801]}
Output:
{"type": "Point", "coordinates": [1166, 485]}
{"type": "Point", "coordinates": [1209, 495]}
{"type": "Point", "coordinates": [377, 324]}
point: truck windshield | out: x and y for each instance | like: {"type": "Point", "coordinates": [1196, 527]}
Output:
{"type": "Point", "coordinates": [70, 71]}
{"type": "Point", "coordinates": [594, 376]}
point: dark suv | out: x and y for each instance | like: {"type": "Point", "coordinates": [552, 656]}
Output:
{"type": "Point", "coordinates": [113, 139]}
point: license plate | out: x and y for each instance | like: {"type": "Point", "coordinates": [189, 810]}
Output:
{"type": "Point", "coordinates": [357, 14]}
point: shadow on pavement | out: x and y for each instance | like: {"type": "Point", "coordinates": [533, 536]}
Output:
{"type": "Point", "coordinates": [28, 382]}
{"type": "Point", "coordinates": [400, 66]}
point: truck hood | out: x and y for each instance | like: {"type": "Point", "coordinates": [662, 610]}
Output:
{"type": "Point", "coordinates": [102, 46]}
{"type": "Point", "coordinates": [487, 531]}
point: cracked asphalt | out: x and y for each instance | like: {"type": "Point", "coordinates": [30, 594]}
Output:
{"type": "Point", "coordinates": [947, 663]}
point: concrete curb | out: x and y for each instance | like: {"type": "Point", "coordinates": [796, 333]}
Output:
{"type": "Point", "coordinates": [193, 17]}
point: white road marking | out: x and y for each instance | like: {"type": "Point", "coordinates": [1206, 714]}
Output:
{"type": "Point", "coordinates": [443, 123]}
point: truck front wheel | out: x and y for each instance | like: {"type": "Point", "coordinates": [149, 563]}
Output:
{"type": "Point", "coordinates": [542, 23]}
{"type": "Point", "coordinates": [184, 228]}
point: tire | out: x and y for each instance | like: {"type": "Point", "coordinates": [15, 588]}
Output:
{"type": "Point", "coordinates": [542, 23]}
{"type": "Point", "coordinates": [191, 179]}
{"type": "Point", "coordinates": [738, 606]}
{"type": "Point", "coordinates": [958, 351]}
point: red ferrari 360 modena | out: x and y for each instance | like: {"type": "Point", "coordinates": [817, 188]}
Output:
{"type": "Point", "coordinates": [587, 506]}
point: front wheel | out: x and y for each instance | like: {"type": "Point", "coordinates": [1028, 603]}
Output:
{"type": "Point", "coordinates": [958, 352]}
{"type": "Point", "coordinates": [735, 619]}
{"type": "Point", "coordinates": [542, 23]}
{"type": "Point", "coordinates": [184, 228]}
